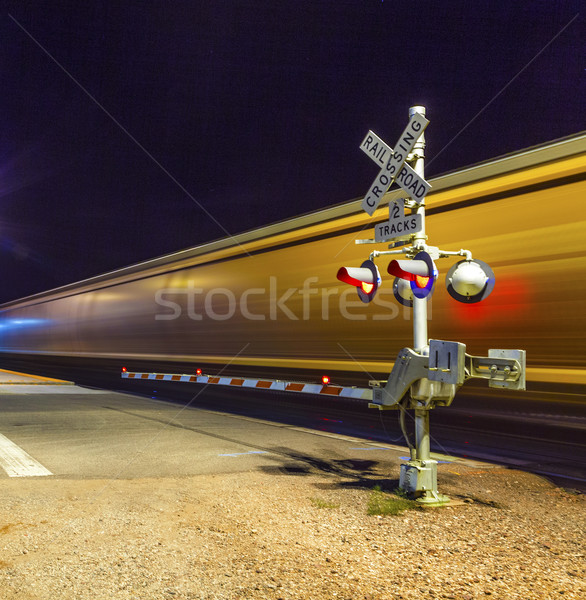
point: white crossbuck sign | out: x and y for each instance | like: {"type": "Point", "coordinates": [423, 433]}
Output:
{"type": "Point", "coordinates": [393, 164]}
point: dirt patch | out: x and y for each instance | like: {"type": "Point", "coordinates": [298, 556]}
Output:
{"type": "Point", "coordinates": [268, 535]}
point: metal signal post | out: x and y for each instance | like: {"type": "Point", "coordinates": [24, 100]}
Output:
{"type": "Point", "coordinates": [419, 304]}
{"type": "Point", "coordinates": [420, 461]}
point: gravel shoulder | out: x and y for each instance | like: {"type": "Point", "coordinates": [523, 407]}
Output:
{"type": "Point", "coordinates": [290, 533]}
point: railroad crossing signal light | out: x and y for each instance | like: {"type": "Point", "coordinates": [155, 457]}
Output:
{"type": "Point", "coordinates": [470, 281]}
{"type": "Point", "coordinates": [416, 276]}
{"type": "Point", "coordinates": [365, 278]}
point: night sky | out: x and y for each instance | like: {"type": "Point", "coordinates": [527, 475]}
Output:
{"type": "Point", "coordinates": [209, 118]}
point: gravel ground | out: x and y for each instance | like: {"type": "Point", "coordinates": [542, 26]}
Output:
{"type": "Point", "coordinates": [289, 533]}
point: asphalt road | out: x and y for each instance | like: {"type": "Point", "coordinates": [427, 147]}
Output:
{"type": "Point", "coordinates": [78, 433]}
{"type": "Point", "coordinates": [175, 429]}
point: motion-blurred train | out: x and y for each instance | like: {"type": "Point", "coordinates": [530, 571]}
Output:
{"type": "Point", "coordinates": [267, 302]}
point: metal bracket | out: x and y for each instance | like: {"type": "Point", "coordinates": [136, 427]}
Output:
{"type": "Point", "coordinates": [503, 368]}
{"type": "Point", "coordinates": [433, 251]}
{"type": "Point", "coordinates": [399, 243]}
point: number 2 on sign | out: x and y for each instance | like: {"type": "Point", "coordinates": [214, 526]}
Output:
{"type": "Point", "coordinates": [397, 209]}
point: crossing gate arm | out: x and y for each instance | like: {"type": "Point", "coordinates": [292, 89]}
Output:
{"type": "Point", "coordinates": [319, 389]}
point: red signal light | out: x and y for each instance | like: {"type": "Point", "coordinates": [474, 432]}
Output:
{"type": "Point", "coordinates": [409, 269]}
{"type": "Point", "coordinates": [420, 281]}
{"type": "Point", "coordinates": [198, 372]}
{"type": "Point", "coordinates": [325, 379]}
{"type": "Point", "coordinates": [365, 279]}
{"type": "Point", "coordinates": [124, 369]}
{"type": "Point", "coordinates": [420, 272]}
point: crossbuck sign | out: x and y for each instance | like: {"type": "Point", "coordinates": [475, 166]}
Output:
{"type": "Point", "coordinates": [395, 167]}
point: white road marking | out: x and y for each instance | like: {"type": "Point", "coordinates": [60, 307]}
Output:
{"type": "Point", "coordinates": [17, 463]}
{"type": "Point", "coordinates": [373, 448]}
{"type": "Point", "coordinates": [36, 388]}
{"type": "Point", "coordinates": [244, 453]}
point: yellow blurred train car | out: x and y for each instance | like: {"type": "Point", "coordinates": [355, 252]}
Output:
{"type": "Point", "coordinates": [267, 302]}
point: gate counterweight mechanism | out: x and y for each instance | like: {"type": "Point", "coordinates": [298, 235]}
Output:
{"type": "Point", "coordinates": [430, 373]}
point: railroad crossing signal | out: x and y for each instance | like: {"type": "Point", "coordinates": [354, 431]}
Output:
{"type": "Point", "coordinates": [365, 279]}
{"type": "Point", "coordinates": [430, 373]}
{"type": "Point", "coordinates": [419, 272]}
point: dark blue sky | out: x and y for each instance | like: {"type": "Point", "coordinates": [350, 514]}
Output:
{"type": "Point", "coordinates": [217, 117]}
